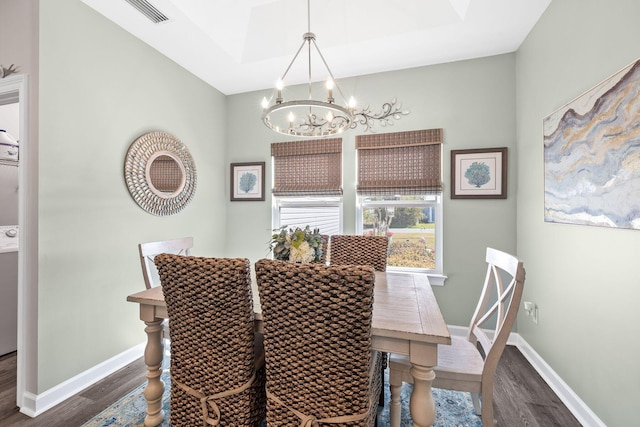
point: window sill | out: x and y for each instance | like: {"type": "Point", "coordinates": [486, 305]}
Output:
{"type": "Point", "coordinates": [435, 279]}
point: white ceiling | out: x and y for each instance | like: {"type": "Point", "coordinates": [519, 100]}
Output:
{"type": "Point", "coordinates": [244, 45]}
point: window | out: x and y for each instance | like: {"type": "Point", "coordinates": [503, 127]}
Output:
{"type": "Point", "coordinates": [308, 184]}
{"type": "Point", "coordinates": [414, 227]}
{"type": "Point", "coordinates": [400, 195]}
{"type": "Point", "coordinates": [324, 213]}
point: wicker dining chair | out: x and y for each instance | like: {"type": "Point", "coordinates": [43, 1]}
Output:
{"type": "Point", "coordinates": [362, 250]}
{"type": "Point", "coordinates": [359, 250]}
{"type": "Point", "coordinates": [320, 367]}
{"type": "Point", "coordinates": [217, 363]}
{"type": "Point", "coordinates": [148, 252]}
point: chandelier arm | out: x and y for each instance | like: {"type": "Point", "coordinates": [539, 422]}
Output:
{"type": "Point", "coordinates": [308, 40]}
{"type": "Point", "coordinates": [293, 60]}
{"type": "Point", "coordinates": [328, 69]}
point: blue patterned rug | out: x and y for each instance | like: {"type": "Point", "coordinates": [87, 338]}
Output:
{"type": "Point", "coordinates": [453, 409]}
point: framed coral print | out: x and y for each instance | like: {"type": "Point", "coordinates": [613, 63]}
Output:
{"type": "Point", "coordinates": [247, 181]}
{"type": "Point", "coordinates": [479, 173]}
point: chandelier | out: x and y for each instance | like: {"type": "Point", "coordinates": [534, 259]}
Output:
{"type": "Point", "coordinates": [308, 117]}
{"type": "Point", "coordinates": [320, 117]}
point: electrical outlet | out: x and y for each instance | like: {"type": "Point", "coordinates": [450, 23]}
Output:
{"type": "Point", "coordinates": [531, 309]}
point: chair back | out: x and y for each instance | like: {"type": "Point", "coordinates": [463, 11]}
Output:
{"type": "Point", "coordinates": [498, 306]}
{"type": "Point", "coordinates": [210, 309]}
{"type": "Point", "coordinates": [359, 250]}
{"type": "Point", "coordinates": [317, 339]}
{"type": "Point", "coordinates": [149, 250]}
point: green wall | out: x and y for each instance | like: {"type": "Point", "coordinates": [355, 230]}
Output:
{"type": "Point", "coordinates": [101, 88]}
{"type": "Point", "coordinates": [584, 279]}
{"type": "Point", "coordinates": [473, 101]}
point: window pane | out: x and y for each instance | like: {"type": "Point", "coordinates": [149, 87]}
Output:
{"type": "Point", "coordinates": [413, 224]}
{"type": "Point", "coordinates": [326, 218]}
{"type": "Point", "coordinates": [411, 231]}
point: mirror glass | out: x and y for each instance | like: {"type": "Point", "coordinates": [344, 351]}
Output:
{"type": "Point", "coordinates": [166, 175]}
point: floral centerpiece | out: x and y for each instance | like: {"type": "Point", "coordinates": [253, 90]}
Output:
{"type": "Point", "coordinates": [296, 245]}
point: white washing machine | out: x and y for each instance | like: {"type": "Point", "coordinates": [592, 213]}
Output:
{"type": "Point", "coordinates": [8, 288]}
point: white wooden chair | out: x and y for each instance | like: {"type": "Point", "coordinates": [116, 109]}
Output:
{"type": "Point", "coordinates": [469, 364]}
{"type": "Point", "coordinates": [148, 252]}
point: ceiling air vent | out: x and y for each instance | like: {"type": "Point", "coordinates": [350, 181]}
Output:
{"type": "Point", "coordinates": [148, 10]}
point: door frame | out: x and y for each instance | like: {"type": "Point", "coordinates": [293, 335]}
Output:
{"type": "Point", "coordinates": [27, 355]}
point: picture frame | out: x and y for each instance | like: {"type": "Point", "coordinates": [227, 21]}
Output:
{"type": "Point", "coordinates": [479, 173]}
{"type": "Point", "coordinates": [247, 182]}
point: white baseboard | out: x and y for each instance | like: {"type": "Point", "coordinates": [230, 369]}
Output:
{"type": "Point", "coordinates": [34, 405]}
{"type": "Point", "coordinates": [571, 400]}
{"type": "Point", "coordinates": [578, 408]}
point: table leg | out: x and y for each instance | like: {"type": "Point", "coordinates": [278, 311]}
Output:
{"type": "Point", "coordinates": [423, 410]}
{"type": "Point", "coordinates": [155, 386]}
{"type": "Point", "coordinates": [395, 405]}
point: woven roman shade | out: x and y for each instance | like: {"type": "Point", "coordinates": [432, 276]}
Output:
{"type": "Point", "coordinates": [402, 163]}
{"type": "Point", "coordinates": [307, 168]}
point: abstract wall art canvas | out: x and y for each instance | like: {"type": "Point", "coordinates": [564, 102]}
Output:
{"type": "Point", "coordinates": [592, 155]}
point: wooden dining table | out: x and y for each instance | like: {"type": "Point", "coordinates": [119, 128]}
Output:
{"type": "Point", "coordinates": [406, 320]}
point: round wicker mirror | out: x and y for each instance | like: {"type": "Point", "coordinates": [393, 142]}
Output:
{"type": "Point", "coordinates": [160, 173]}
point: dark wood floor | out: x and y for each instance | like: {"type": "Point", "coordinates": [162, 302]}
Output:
{"type": "Point", "coordinates": [72, 412]}
{"type": "Point", "coordinates": [522, 398]}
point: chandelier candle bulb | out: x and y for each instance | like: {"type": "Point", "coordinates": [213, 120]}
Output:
{"type": "Point", "coordinates": [330, 99]}
{"type": "Point", "coordinates": [279, 87]}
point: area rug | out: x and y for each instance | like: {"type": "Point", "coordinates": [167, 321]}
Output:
{"type": "Point", "coordinates": [453, 409]}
